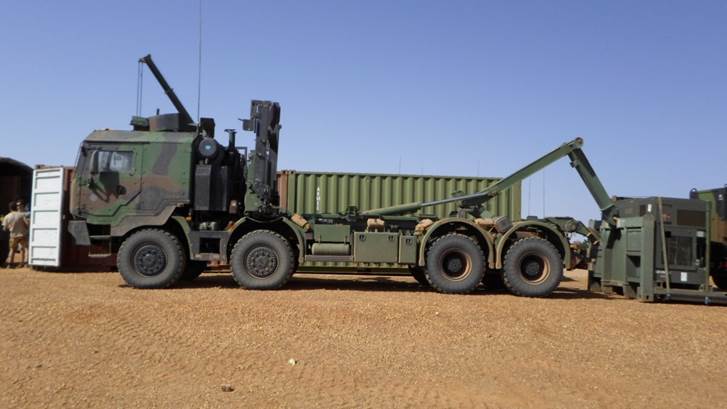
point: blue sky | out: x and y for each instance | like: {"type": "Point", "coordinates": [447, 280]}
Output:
{"type": "Point", "coordinates": [454, 88]}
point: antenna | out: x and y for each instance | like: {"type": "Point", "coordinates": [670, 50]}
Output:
{"type": "Point", "coordinates": [530, 188]}
{"type": "Point", "coordinates": [139, 87]}
{"type": "Point", "coordinates": [199, 62]}
{"type": "Point", "coordinates": [543, 192]}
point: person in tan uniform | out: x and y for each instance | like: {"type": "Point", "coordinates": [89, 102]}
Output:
{"type": "Point", "coordinates": [16, 223]}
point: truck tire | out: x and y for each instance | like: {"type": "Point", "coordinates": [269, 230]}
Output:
{"type": "Point", "coordinates": [194, 269]}
{"type": "Point", "coordinates": [151, 258]}
{"type": "Point", "coordinates": [720, 279]}
{"type": "Point", "coordinates": [262, 260]}
{"type": "Point", "coordinates": [419, 275]}
{"type": "Point", "coordinates": [533, 267]}
{"type": "Point", "coordinates": [455, 264]}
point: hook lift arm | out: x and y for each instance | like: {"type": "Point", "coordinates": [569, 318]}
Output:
{"type": "Point", "coordinates": [473, 202]}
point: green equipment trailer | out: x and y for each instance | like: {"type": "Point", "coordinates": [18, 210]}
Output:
{"type": "Point", "coordinates": [168, 198]}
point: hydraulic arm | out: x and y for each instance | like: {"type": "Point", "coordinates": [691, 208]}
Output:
{"type": "Point", "coordinates": [473, 202]}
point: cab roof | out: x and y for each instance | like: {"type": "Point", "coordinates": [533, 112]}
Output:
{"type": "Point", "coordinates": [108, 135]}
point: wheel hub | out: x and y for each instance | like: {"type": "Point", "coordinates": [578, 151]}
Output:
{"type": "Point", "coordinates": [261, 262]}
{"type": "Point", "coordinates": [150, 260]}
{"type": "Point", "coordinates": [455, 265]}
{"type": "Point", "coordinates": [534, 269]}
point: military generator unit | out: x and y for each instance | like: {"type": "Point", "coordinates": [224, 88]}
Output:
{"type": "Point", "coordinates": [659, 249]}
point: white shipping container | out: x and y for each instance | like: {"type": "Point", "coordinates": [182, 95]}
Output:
{"type": "Point", "coordinates": [46, 217]}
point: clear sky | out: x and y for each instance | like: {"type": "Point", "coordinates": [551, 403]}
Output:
{"type": "Point", "coordinates": [445, 87]}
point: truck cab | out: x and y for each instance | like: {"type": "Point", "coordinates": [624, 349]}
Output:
{"type": "Point", "coordinates": [112, 168]}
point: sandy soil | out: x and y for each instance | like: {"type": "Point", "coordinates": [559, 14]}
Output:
{"type": "Point", "coordinates": [86, 340]}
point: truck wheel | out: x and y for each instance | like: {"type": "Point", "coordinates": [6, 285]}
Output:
{"type": "Point", "coordinates": [419, 275]}
{"type": "Point", "coordinates": [194, 269]}
{"type": "Point", "coordinates": [720, 279]}
{"type": "Point", "coordinates": [533, 268]}
{"type": "Point", "coordinates": [151, 258]}
{"type": "Point", "coordinates": [455, 264]}
{"type": "Point", "coordinates": [262, 260]}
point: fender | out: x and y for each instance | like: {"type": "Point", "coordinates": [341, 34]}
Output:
{"type": "Point", "coordinates": [244, 221]}
{"type": "Point", "coordinates": [184, 225]}
{"type": "Point", "coordinates": [484, 233]}
{"type": "Point", "coordinates": [533, 223]}
{"type": "Point", "coordinates": [299, 235]}
{"type": "Point", "coordinates": [129, 223]}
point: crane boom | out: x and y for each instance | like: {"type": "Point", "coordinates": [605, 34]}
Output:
{"type": "Point", "coordinates": [186, 119]}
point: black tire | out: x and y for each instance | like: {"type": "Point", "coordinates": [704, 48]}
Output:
{"type": "Point", "coordinates": [720, 279]}
{"type": "Point", "coordinates": [151, 258]}
{"type": "Point", "coordinates": [533, 268]}
{"type": "Point", "coordinates": [262, 260]}
{"type": "Point", "coordinates": [455, 264]}
{"type": "Point", "coordinates": [419, 275]}
{"type": "Point", "coordinates": [194, 269]}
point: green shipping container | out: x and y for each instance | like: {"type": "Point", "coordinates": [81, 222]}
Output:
{"type": "Point", "coordinates": [324, 192]}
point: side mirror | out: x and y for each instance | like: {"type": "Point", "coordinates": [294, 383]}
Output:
{"type": "Point", "coordinates": [100, 162]}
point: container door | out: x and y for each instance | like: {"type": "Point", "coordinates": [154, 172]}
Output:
{"type": "Point", "coordinates": [46, 217]}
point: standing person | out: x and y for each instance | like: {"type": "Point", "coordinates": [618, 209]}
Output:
{"type": "Point", "coordinates": [17, 224]}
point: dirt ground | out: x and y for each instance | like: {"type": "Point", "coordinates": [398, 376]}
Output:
{"type": "Point", "coordinates": [86, 340]}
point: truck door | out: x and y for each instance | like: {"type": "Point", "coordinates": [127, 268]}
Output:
{"type": "Point", "coordinates": [111, 179]}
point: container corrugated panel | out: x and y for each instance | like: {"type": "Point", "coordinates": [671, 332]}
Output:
{"type": "Point", "coordinates": [323, 192]}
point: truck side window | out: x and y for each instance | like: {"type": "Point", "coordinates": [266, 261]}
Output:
{"type": "Point", "coordinates": [121, 161]}
{"type": "Point", "coordinates": [115, 161]}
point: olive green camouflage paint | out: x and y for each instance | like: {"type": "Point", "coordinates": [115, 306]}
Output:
{"type": "Point", "coordinates": [146, 193]}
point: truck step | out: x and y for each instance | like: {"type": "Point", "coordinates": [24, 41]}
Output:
{"type": "Point", "coordinates": [99, 255]}
{"type": "Point", "coordinates": [100, 237]}
{"type": "Point", "coordinates": [329, 258]}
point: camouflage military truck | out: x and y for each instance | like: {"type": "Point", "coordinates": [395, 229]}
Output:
{"type": "Point", "coordinates": [717, 199]}
{"type": "Point", "coordinates": [167, 198]}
